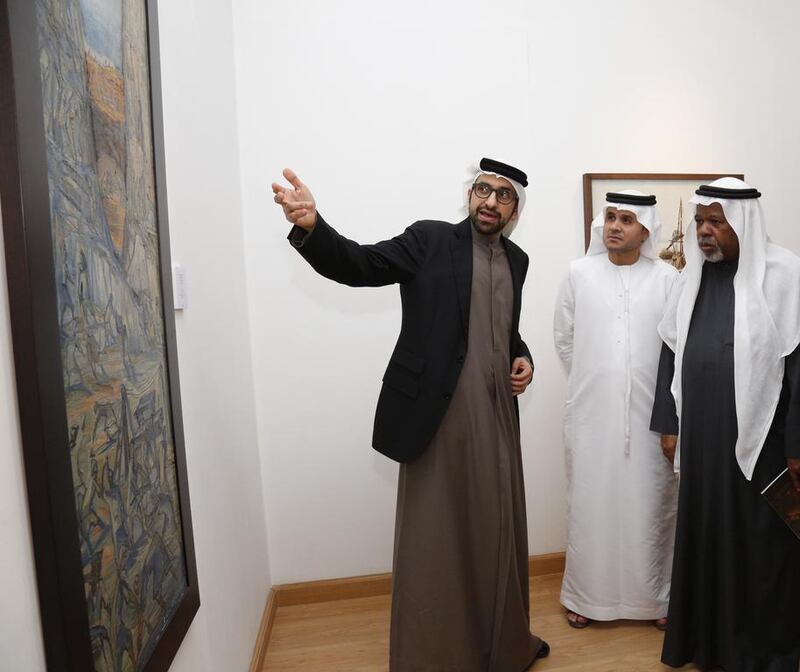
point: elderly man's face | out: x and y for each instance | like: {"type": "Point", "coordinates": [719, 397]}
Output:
{"type": "Point", "coordinates": [715, 236]}
{"type": "Point", "coordinates": [622, 232]}
{"type": "Point", "coordinates": [489, 215]}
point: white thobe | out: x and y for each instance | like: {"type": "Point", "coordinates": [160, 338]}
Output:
{"type": "Point", "coordinates": [622, 492]}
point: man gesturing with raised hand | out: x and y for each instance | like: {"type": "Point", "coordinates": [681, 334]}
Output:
{"type": "Point", "coordinates": [448, 413]}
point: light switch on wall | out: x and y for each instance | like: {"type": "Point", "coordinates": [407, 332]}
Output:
{"type": "Point", "coordinates": [179, 287]}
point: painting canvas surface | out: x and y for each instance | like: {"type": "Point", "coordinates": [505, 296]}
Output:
{"type": "Point", "coordinates": [96, 99]}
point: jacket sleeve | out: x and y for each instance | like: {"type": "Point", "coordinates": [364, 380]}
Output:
{"type": "Point", "coordinates": [349, 263]}
{"type": "Point", "coordinates": [564, 322]}
{"type": "Point", "coordinates": [520, 348]}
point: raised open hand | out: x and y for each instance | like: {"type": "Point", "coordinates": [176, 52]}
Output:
{"type": "Point", "coordinates": [298, 204]}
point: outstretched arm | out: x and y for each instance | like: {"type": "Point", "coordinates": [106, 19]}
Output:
{"type": "Point", "coordinates": [340, 259]}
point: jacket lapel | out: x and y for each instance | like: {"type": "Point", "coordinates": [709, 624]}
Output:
{"type": "Point", "coordinates": [461, 253]}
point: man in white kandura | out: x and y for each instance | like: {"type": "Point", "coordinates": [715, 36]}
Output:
{"type": "Point", "coordinates": [622, 493]}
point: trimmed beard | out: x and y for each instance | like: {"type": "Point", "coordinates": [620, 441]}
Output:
{"type": "Point", "coordinates": [715, 255]}
{"type": "Point", "coordinates": [481, 227]}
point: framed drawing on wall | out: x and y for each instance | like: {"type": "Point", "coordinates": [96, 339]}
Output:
{"type": "Point", "coordinates": [672, 190]}
{"type": "Point", "coordinates": [83, 205]}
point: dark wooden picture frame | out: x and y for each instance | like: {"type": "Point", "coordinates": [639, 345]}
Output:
{"type": "Point", "coordinates": [33, 300]}
{"type": "Point", "coordinates": [590, 178]}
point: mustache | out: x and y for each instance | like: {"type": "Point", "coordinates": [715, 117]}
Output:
{"type": "Point", "coordinates": [707, 240]}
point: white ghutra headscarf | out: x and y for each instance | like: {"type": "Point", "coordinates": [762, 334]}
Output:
{"type": "Point", "coordinates": [647, 215]}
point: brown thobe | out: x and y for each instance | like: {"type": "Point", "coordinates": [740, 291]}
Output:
{"type": "Point", "coordinates": [460, 592]}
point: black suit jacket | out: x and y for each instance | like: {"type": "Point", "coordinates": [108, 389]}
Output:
{"type": "Point", "coordinates": [432, 262]}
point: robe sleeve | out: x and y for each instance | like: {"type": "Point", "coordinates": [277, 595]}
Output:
{"type": "Point", "coordinates": [665, 418]}
{"type": "Point", "coordinates": [564, 322]}
{"type": "Point", "coordinates": [791, 380]}
{"type": "Point", "coordinates": [349, 263]}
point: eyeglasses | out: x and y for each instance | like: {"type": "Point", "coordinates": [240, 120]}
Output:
{"type": "Point", "coordinates": [504, 194]}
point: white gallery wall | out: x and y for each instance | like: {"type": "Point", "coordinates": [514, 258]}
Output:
{"type": "Point", "coordinates": [380, 107]}
{"type": "Point", "coordinates": [215, 367]}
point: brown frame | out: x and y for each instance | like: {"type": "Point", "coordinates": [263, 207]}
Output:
{"type": "Point", "coordinates": [589, 178]}
{"type": "Point", "coordinates": [25, 198]}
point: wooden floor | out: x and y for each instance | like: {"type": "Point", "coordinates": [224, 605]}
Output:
{"type": "Point", "coordinates": [353, 636]}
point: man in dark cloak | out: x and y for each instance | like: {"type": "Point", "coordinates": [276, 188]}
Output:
{"type": "Point", "coordinates": [730, 370]}
{"type": "Point", "coordinates": [448, 413]}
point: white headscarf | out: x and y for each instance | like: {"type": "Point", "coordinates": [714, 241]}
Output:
{"type": "Point", "coordinates": [474, 173]}
{"type": "Point", "coordinates": [766, 318]}
{"type": "Point", "coordinates": [647, 215]}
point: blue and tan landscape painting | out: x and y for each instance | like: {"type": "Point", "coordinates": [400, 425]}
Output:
{"type": "Point", "coordinates": [96, 88]}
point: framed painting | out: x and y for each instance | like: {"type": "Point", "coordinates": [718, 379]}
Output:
{"type": "Point", "coordinates": [672, 190]}
{"type": "Point", "coordinates": [83, 205]}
